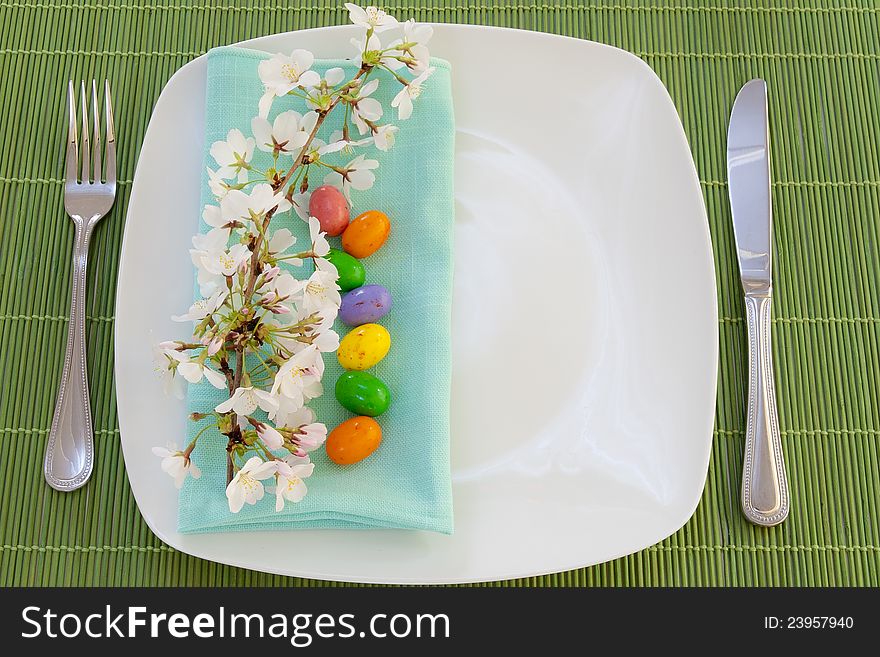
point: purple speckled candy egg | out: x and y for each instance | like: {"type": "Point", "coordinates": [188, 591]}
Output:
{"type": "Point", "coordinates": [365, 305]}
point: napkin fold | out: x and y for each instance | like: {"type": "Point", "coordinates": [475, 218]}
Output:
{"type": "Point", "coordinates": [406, 482]}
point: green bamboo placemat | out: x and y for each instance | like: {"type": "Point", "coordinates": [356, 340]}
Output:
{"type": "Point", "coordinates": [822, 62]}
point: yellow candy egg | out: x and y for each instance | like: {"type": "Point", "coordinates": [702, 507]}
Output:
{"type": "Point", "coordinates": [363, 347]}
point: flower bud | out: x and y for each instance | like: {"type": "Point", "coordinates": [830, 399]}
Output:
{"type": "Point", "coordinates": [309, 437]}
{"type": "Point", "coordinates": [269, 435]}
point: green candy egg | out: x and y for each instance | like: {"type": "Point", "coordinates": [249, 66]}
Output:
{"type": "Point", "coordinates": [351, 271]}
{"type": "Point", "coordinates": [363, 393]}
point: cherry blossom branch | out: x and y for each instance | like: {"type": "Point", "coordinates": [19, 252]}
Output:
{"type": "Point", "coordinates": [321, 118]}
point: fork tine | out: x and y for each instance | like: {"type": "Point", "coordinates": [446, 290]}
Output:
{"type": "Point", "coordinates": [96, 145]}
{"type": "Point", "coordinates": [110, 155]}
{"type": "Point", "coordinates": [84, 142]}
{"type": "Point", "coordinates": [70, 161]}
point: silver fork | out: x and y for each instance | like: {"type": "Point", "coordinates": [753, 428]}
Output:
{"type": "Point", "coordinates": [71, 446]}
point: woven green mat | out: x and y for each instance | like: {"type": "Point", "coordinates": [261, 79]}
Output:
{"type": "Point", "coordinates": [822, 63]}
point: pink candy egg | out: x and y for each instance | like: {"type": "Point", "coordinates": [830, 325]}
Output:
{"type": "Point", "coordinates": [330, 208]}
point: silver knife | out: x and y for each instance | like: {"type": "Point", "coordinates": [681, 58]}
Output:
{"type": "Point", "coordinates": [765, 497]}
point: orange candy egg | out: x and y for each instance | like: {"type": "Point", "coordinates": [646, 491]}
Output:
{"type": "Point", "coordinates": [353, 440]}
{"type": "Point", "coordinates": [366, 233]}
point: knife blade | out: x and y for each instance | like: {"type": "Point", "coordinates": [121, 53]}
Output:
{"type": "Point", "coordinates": [748, 171]}
{"type": "Point", "coordinates": [765, 496]}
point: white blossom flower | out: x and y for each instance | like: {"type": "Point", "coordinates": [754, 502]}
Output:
{"type": "Point", "coordinates": [290, 416]}
{"type": "Point", "coordinates": [241, 206]}
{"type": "Point", "coordinates": [302, 416]}
{"type": "Point", "coordinates": [418, 35]}
{"type": "Point", "coordinates": [333, 76]}
{"type": "Point", "coordinates": [281, 240]}
{"type": "Point", "coordinates": [210, 253]}
{"type": "Point", "coordinates": [287, 134]}
{"type": "Point", "coordinates": [322, 336]}
{"type": "Point", "coordinates": [365, 108]}
{"type": "Point", "coordinates": [358, 175]}
{"type": "Point", "coordinates": [213, 217]}
{"type": "Point", "coordinates": [165, 365]}
{"type": "Point", "coordinates": [320, 292]}
{"type": "Point", "coordinates": [286, 408]}
{"type": "Point", "coordinates": [282, 74]}
{"type": "Point", "coordinates": [209, 282]}
{"type": "Point", "coordinates": [327, 341]}
{"type": "Point", "coordinates": [233, 155]}
{"type": "Point", "coordinates": [203, 307]}
{"type": "Point", "coordinates": [247, 484]}
{"type": "Point", "coordinates": [213, 240]}
{"type": "Point", "coordinates": [289, 475]}
{"type": "Point", "coordinates": [327, 313]}
{"type": "Point", "coordinates": [193, 370]}
{"type": "Point", "coordinates": [285, 286]}
{"type": "Point", "coordinates": [374, 45]}
{"type": "Point", "coordinates": [214, 345]}
{"type": "Point", "coordinates": [246, 400]}
{"type": "Point", "coordinates": [338, 142]}
{"type": "Point", "coordinates": [176, 464]}
{"type": "Point", "coordinates": [320, 98]}
{"type": "Point", "coordinates": [384, 137]}
{"type": "Point", "coordinates": [403, 101]}
{"type": "Point", "coordinates": [319, 246]}
{"type": "Point", "coordinates": [300, 203]}
{"type": "Point", "coordinates": [371, 18]}
{"type": "Point", "coordinates": [299, 379]}
{"type": "Point", "coordinates": [219, 187]}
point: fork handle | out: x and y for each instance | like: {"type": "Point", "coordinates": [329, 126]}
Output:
{"type": "Point", "coordinates": [70, 450]}
{"type": "Point", "coordinates": [765, 497]}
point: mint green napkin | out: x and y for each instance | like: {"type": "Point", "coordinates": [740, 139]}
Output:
{"type": "Point", "coordinates": [406, 482]}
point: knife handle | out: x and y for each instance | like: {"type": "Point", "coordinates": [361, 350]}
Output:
{"type": "Point", "coordinates": [765, 497]}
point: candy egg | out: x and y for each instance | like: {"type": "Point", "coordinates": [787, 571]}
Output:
{"type": "Point", "coordinates": [329, 207]}
{"type": "Point", "coordinates": [363, 347]}
{"type": "Point", "coordinates": [351, 270]}
{"type": "Point", "coordinates": [366, 233]}
{"type": "Point", "coordinates": [353, 440]}
{"type": "Point", "coordinates": [363, 393]}
{"type": "Point", "coordinates": [364, 305]}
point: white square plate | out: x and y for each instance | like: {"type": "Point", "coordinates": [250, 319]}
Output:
{"type": "Point", "coordinates": [585, 320]}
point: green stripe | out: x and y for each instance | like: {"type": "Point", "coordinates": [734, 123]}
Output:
{"type": "Point", "coordinates": [821, 61]}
